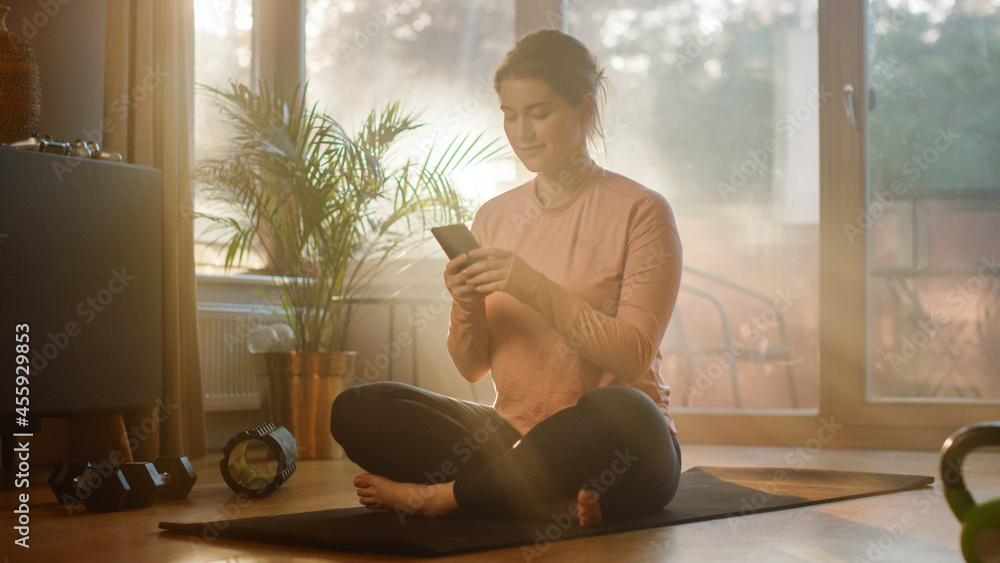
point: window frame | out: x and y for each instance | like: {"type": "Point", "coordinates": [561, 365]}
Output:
{"type": "Point", "coordinates": [844, 273]}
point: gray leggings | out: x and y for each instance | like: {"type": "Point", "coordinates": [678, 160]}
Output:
{"type": "Point", "coordinates": [614, 440]}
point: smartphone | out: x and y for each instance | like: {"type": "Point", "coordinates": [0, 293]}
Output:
{"type": "Point", "coordinates": [456, 240]}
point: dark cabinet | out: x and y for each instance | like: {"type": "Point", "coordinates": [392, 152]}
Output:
{"type": "Point", "coordinates": [80, 270]}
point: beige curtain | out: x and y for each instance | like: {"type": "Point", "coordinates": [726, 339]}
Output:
{"type": "Point", "coordinates": [148, 109]}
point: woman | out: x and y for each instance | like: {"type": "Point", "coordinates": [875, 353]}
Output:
{"type": "Point", "coordinates": [578, 275]}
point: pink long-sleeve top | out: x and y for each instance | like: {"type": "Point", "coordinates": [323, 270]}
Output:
{"type": "Point", "coordinates": [586, 302]}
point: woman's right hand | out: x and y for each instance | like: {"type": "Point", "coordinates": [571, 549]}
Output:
{"type": "Point", "coordinates": [455, 281]}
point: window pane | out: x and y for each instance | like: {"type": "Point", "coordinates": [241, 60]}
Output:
{"type": "Point", "coordinates": [716, 105]}
{"type": "Point", "coordinates": [933, 217]}
{"type": "Point", "coordinates": [223, 52]}
{"type": "Point", "coordinates": [434, 56]}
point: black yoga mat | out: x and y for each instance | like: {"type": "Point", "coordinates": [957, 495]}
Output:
{"type": "Point", "coordinates": [705, 493]}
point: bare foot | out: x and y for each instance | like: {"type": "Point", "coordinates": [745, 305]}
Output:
{"type": "Point", "coordinates": [589, 507]}
{"type": "Point", "coordinates": [384, 495]}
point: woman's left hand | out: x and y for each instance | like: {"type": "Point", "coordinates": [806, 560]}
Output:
{"type": "Point", "coordinates": [491, 273]}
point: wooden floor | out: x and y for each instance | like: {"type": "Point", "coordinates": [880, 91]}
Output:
{"type": "Point", "coordinates": [912, 526]}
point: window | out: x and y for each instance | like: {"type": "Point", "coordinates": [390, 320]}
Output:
{"type": "Point", "coordinates": [909, 210]}
{"type": "Point", "coordinates": [782, 133]}
{"type": "Point", "coordinates": [434, 56]}
{"type": "Point", "coordinates": [716, 105]}
{"type": "Point", "coordinates": [933, 216]}
{"type": "Point", "coordinates": [223, 52]}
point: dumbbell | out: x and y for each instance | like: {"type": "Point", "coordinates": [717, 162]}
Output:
{"type": "Point", "coordinates": [170, 478]}
{"type": "Point", "coordinates": [99, 488]}
{"type": "Point", "coordinates": [132, 485]}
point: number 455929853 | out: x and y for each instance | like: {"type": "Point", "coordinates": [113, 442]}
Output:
{"type": "Point", "coordinates": [22, 371]}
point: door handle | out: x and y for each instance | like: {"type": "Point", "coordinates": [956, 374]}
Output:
{"type": "Point", "coordinates": [849, 105]}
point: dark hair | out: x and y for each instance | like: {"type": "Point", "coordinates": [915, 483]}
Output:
{"type": "Point", "coordinates": [565, 64]}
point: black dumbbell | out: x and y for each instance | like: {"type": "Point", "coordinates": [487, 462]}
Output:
{"type": "Point", "coordinates": [99, 488]}
{"type": "Point", "coordinates": [133, 485]}
{"type": "Point", "coordinates": [169, 477]}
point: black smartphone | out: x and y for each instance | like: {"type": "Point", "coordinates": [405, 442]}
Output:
{"type": "Point", "coordinates": [456, 240]}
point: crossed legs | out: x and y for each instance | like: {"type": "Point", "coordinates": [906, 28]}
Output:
{"type": "Point", "coordinates": [609, 457]}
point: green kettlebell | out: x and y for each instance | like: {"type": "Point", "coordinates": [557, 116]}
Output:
{"type": "Point", "coordinates": [980, 522]}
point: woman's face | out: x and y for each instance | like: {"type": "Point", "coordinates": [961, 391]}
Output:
{"type": "Point", "coordinates": [541, 126]}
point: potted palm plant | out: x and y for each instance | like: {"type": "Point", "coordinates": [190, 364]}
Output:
{"type": "Point", "coordinates": [328, 212]}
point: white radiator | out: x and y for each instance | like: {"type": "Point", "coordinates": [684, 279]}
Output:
{"type": "Point", "coordinates": [229, 379]}
{"type": "Point", "coordinates": [229, 371]}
